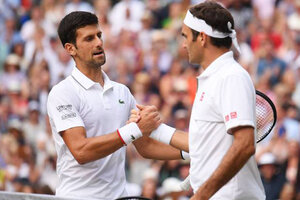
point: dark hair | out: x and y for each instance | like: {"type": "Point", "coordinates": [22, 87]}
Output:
{"type": "Point", "coordinates": [217, 17]}
{"type": "Point", "coordinates": [70, 23]}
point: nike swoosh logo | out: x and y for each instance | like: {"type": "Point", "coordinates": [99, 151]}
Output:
{"type": "Point", "coordinates": [121, 102]}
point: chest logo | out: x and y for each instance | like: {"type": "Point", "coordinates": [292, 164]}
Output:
{"type": "Point", "coordinates": [202, 96]}
{"type": "Point", "coordinates": [132, 137]}
{"type": "Point", "coordinates": [121, 101]}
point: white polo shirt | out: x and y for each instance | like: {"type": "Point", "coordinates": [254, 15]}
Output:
{"type": "Point", "coordinates": [78, 101]}
{"type": "Point", "coordinates": [225, 99]}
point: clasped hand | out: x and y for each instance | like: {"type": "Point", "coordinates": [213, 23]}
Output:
{"type": "Point", "coordinates": [146, 117]}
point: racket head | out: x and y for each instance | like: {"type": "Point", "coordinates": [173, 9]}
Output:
{"type": "Point", "coordinates": [133, 198]}
{"type": "Point", "coordinates": [266, 115]}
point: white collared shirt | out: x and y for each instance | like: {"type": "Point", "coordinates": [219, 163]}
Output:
{"type": "Point", "coordinates": [78, 101]}
{"type": "Point", "coordinates": [225, 99]}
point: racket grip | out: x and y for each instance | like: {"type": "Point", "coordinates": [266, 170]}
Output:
{"type": "Point", "coordinates": [185, 185]}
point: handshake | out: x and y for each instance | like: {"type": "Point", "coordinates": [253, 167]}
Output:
{"type": "Point", "coordinates": [145, 121]}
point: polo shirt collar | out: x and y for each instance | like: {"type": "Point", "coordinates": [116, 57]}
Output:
{"type": "Point", "coordinates": [216, 64]}
{"type": "Point", "coordinates": [87, 83]}
{"type": "Point", "coordinates": [107, 82]}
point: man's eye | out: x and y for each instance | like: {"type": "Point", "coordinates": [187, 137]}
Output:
{"type": "Point", "coordinates": [89, 38]}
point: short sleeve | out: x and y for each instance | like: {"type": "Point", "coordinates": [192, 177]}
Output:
{"type": "Point", "coordinates": [63, 108]}
{"type": "Point", "coordinates": [237, 102]}
{"type": "Point", "coordinates": [131, 98]}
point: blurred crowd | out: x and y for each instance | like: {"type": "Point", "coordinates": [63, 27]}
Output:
{"type": "Point", "coordinates": [143, 45]}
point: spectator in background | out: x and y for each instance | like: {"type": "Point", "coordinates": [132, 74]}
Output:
{"type": "Point", "coordinates": [145, 35]}
{"type": "Point", "coordinates": [273, 179]}
{"type": "Point", "coordinates": [149, 185]}
{"type": "Point", "coordinates": [263, 9]}
{"type": "Point", "coordinates": [12, 75]}
{"type": "Point", "coordinates": [181, 119]}
{"type": "Point", "coordinates": [8, 37]}
{"type": "Point", "coordinates": [102, 10]}
{"type": "Point", "coordinates": [37, 20]}
{"type": "Point", "coordinates": [171, 189]}
{"type": "Point", "coordinates": [296, 94]}
{"type": "Point", "coordinates": [54, 11]}
{"type": "Point", "coordinates": [126, 14]}
{"type": "Point", "coordinates": [292, 163]}
{"type": "Point", "coordinates": [241, 14]}
{"type": "Point", "coordinates": [159, 59]}
{"type": "Point", "coordinates": [168, 169]}
{"type": "Point", "coordinates": [32, 126]}
{"type": "Point", "coordinates": [293, 20]}
{"type": "Point", "coordinates": [290, 123]}
{"type": "Point", "coordinates": [78, 5]}
{"type": "Point", "coordinates": [269, 63]}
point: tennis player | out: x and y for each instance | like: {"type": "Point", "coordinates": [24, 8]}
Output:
{"type": "Point", "coordinates": [221, 139]}
{"type": "Point", "coordinates": [88, 114]}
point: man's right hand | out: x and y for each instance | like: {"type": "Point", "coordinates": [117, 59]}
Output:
{"type": "Point", "coordinates": [149, 119]}
{"type": "Point", "coordinates": [134, 116]}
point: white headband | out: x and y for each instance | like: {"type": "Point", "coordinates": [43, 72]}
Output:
{"type": "Point", "coordinates": [201, 26]}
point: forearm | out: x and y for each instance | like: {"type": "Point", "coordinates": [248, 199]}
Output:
{"type": "Point", "coordinates": [153, 149]}
{"type": "Point", "coordinates": [86, 149]}
{"type": "Point", "coordinates": [180, 140]}
{"type": "Point", "coordinates": [235, 158]}
{"type": "Point", "coordinates": [230, 165]}
{"type": "Point", "coordinates": [101, 146]}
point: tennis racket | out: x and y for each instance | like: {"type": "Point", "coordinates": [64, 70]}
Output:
{"type": "Point", "coordinates": [133, 198]}
{"type": "Point", "coordinates": [266, 117]}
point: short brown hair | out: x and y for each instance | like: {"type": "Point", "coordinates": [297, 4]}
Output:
{"type": "Point", "coordinates": [217, 17]}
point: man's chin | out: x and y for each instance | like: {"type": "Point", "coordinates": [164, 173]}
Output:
{"type": "Point", "coordinates": [100, 63]}
{"type": "Point", "coordinates": [193, 62]}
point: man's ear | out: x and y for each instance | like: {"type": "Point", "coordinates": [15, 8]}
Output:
{"type": "Point", "coordinates": [70, 48]}
{"type": "Point", "coordinates": [202, 38]}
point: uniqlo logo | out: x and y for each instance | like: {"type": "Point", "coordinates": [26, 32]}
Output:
{"type": "Point", "coordinates": [227, 118]}
{"type": "Point", "coordinates": [202, 96]}
{"type": "Point", "coordinates": [233, 115]}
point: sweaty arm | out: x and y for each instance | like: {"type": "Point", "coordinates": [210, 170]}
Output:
{"type": "Point", "coordinates": [238, 154]}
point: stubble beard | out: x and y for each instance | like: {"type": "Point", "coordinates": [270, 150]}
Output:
{"type": "Point", "coordinates": [98, 64]}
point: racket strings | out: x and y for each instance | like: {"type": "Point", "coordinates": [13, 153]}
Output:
{"type": "Point", "coordinates": [264, 117]}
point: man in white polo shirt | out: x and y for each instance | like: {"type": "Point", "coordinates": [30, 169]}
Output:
{"type": "Point", "coordinates": [221, 139]}
{"type": "Point", "coordinates": [88, 115]}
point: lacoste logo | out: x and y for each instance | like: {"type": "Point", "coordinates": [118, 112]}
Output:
{"type": "Point", "coordinates": [132, 137]}
{"type": "Point", "coordinates": [121, 102]}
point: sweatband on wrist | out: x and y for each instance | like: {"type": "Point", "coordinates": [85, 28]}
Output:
{"type": "Point", "coordinates": [163, 133]}
{"type": "Point", "coordinates": [129, 133]}
{"type": "Point", "coordinates": [185, 155]}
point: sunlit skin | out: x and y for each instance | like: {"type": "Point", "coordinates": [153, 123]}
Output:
{"type": "Point", "coordinates": [200, 51]}
{"type": "Point", "coordinates": [88, 52]}
{"type": "Point", "coordinates": [193, 47]}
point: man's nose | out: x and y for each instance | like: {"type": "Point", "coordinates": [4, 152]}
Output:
{"type": "Point", "coordinates": [184, 45]}
{"type": "Point", "coordinates": [99, 42]}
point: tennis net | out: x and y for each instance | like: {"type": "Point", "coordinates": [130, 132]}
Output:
{"type": "Point", "coordinates": [26, 196]}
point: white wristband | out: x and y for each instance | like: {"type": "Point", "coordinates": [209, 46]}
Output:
{"type": "Point", "coordinates": [129, 133]}
{"type": "Point", "coordinates": [185, 155]}
{"type": "Point", "coordinates": [163, 133]}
